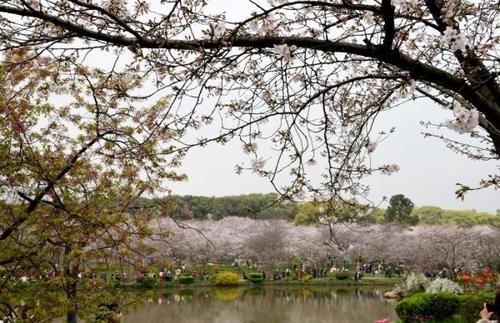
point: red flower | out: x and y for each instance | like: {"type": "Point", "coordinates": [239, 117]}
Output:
{"type": "Point", "coordinates": [466, 278]}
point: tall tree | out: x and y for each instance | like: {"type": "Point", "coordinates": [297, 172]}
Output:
{"type": "Point", "coordinates": [321, 71]}
{"type": "Point", "coordinates": [399, 210]}
{"type": "Point", "coordinates": [71, 173]}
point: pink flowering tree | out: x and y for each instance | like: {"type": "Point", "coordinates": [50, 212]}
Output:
{"type": "Point", "coordinates": [310, 77]}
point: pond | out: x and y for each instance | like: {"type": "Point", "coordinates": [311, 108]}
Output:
{"type": "Point", "coordinates": [263, 305]}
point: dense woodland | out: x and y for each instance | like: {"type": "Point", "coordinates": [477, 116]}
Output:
{"type": "Point", "coordinates": [266, 206]}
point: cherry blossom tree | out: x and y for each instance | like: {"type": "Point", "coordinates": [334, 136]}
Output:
{"type": "Point", "coordinates": [444, 245]}
{"type": "Point", "coordinates": [71, 172]}
{"type": "Point", "coordinates": [310, 77]}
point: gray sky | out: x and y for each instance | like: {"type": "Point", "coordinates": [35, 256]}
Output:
{"type": "Point", "coordinates": [428, 174]}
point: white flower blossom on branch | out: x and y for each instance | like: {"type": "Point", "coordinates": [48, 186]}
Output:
{"type": "Point", "coordinates": [258, 164]}
{"type": "Point", "coordinates": [465, 120]}
{"type": "Point", "coordinates": [455, 39]}
{"type": "Point", "coordinates": [218, 29]}
{"type": "Point", "coordinates": [284, 51]}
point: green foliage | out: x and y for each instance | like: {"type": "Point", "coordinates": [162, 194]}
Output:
{"type": "Point", "coordinates": [227, 278]}
{"type": "Point", "coordinates": [462, 218]}
{"type": "Point", "coordinates": [264, 206]}
{"type": "Point", "coordinates": [308, 213]}
{"type": "Point", "coordinates": [148, 282]}
{"type": "Point", "coordinates": [186, 279]}
{"type": "Point", "coordinates": [437, 306]}
{"type": "Point", "coordinates": [255, 278]}
{"type": "Point", "coordinates": [307, 277]}
{"type": "Point", "coordinates": [256, 206]}
{"type": "Point", "coordinates": [470, 305]}
{"type": "Point", "coordinates": [341, 275]}
{"type": "Point", "coordinates": [311, 212]}
{"type": "Point", "coordinates": [399, 210]}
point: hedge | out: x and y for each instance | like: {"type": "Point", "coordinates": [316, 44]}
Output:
{"type": "Point", "coordinates": [341, 275]}
{"type": "Point", "coordinates": [256, 278]}
{"type": "Point", "coordinates": [148, 282]}
{"type": "Point", "coordinates": [420, 306]}
{"type": "Point", "coordinates": [442, 306]}
{"type": "Point", "coordinates": [186, 279]}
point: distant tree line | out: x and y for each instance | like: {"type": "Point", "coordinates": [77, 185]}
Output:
{"type": "Point", "coordinates": [400, 210]}
{"type": "Point", "coordinates": [255, 206]}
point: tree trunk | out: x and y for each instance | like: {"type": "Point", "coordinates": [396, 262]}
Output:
{"type": "Point", "coordinates": [71, 267]}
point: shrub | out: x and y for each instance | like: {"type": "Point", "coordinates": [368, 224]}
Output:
{"type": "Point", "coordinates": [148, 282]}
{"type": "Point", "coordinates": [115, 283]}
{"type": "Point", "coordinates": [341, 275]}
{"type": "Point", "coordinates": [420, 306]}
{"type": "Point", "coordinates": [255, 278]}
{"type": "Point", "coordinates": [444, 285]}
{"type": "Point", "coordinates": [186, 279]}
{"type": "Point", "coordinates": [416, 283]}
{"type": "Point", "coordinates": [227, 278]}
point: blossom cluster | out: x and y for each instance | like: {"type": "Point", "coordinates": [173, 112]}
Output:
{"type": "Point", "coordinates": [284, 51]}
{"type": "Point", "coordinates": [465, 120]}
{"type": "Point", "coordinates": [455, 39]}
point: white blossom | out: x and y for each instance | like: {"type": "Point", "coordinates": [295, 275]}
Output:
{"type": "Point", "coordinates": [218, 29]}
{"type": "Point", "coordinates": [253, 26]}
{"type": "Point", "coordinates": [454, 39]}
{"type": "Point", "coordinates": [370, 18]}
{"type": "Point", "coordinates": [284, 51]}
{"type": "Point", "coordinates": [405, 4]}
{"type": "Point", "coordinates": [250, 148]}
{"type": "Point", "coordinates": [465, 120]}
{"type": "Point", "coordinates": [389, 169]}
{"type": "Point", "coordinates": [444, 285]}
{"type": "Point", "coordinates": [258, 164]}
{"type": "Point", "coordinates": [371, 146]}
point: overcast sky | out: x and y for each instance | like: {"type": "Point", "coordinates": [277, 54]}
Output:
{"type": "Point", "coordinates": [428, 175]}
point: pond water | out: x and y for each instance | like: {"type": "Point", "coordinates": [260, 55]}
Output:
{"type": "Point", "coordinates": [263, 305]}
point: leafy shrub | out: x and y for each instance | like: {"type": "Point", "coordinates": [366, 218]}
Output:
{"type": "Point", "coordinates": [186, 279]}
{"type": "Point", "coordinates": [420, 306]}
{"type": "Point", "coordinates": [148, 282]}
{"type": "Point", "coordinates": [470, 305]}
{"type": "Point", "coordinates": [115, 283]}
{"type": "Point", "coordinates": [341, 275]}
{"type": "Point", "coordinates": [416, 283]}
{"type": "Point", "coordinates": [227, 278]}
{"type": "Point", "coordinates": [255, 278]}
{"type": "Point", "coordinates": [444, 285]}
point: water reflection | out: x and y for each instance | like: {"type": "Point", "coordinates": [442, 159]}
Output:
{"type": "Point", "coordinates": [263, 305]}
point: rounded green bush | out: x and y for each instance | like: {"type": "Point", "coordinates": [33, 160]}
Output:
{"type": "Point", "coordinates": [148, 282]}
{"type": "Point", "coordinates": [226, 278]}
{"type": "Point", "coordinates": [256, 278]}
{"type": "Point", "coordinates": [341, 275]}
{"type": "Point", "coordinates": [420, 306]}
{"type": "Point", "coordinates": [186, 279]}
